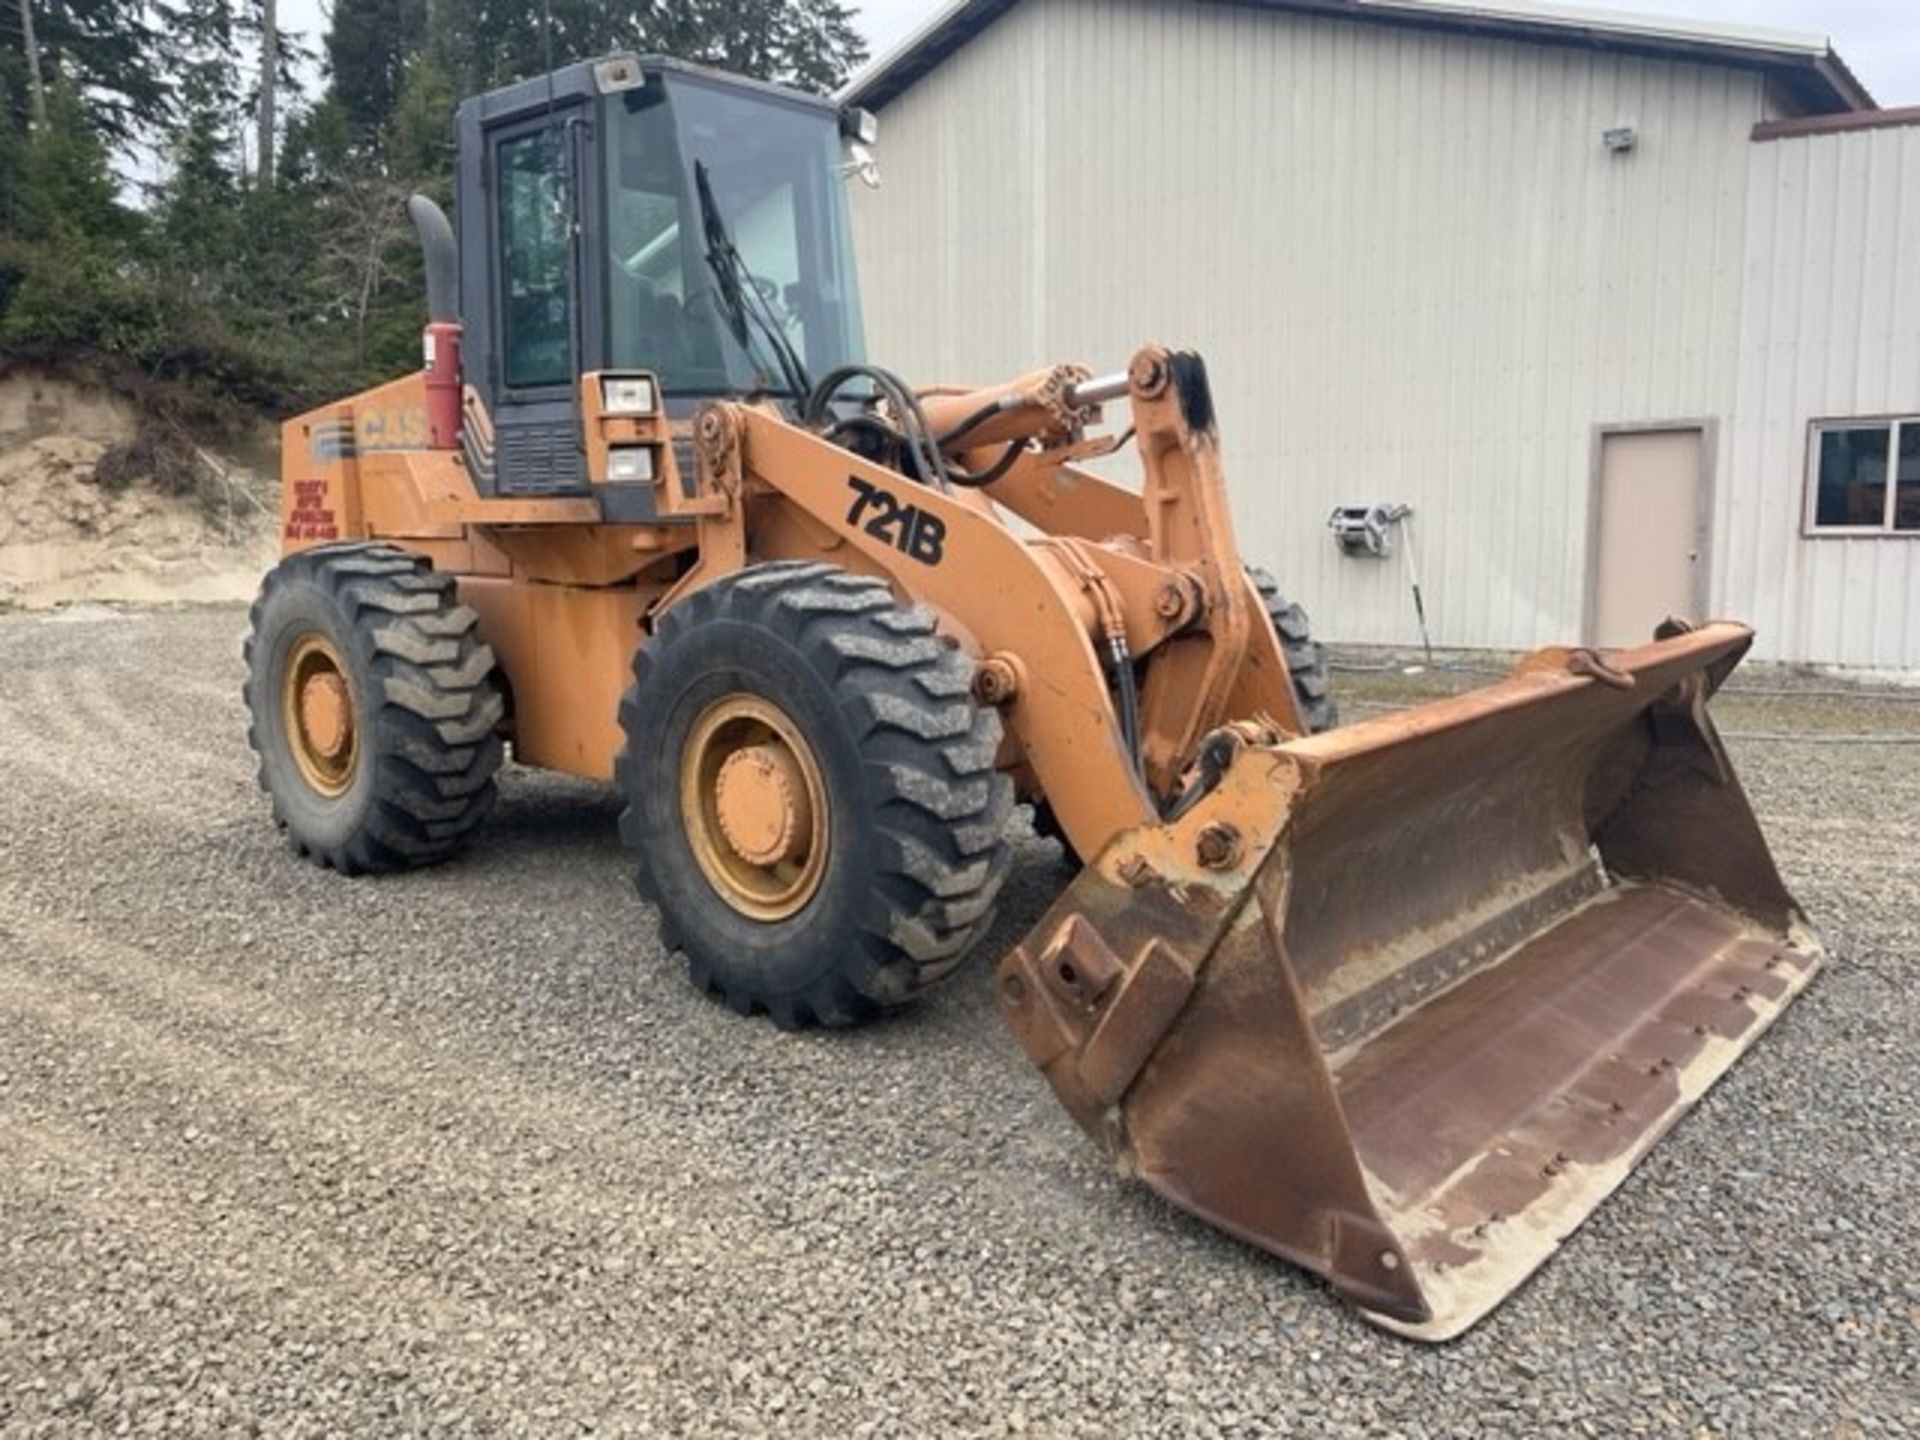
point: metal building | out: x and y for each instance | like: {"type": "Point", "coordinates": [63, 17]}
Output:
{"type": "Point", "coordinates": [1615, 304]}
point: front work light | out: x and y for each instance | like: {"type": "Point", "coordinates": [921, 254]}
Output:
{"type": "Point", "coordinates": [628, 464]}
{"type": "Point", "coordinates": [627, 396]}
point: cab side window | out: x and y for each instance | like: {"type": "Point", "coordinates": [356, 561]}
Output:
{"type": "Point", "coordinates": [536, 299]}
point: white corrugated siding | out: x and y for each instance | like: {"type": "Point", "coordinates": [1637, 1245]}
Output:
{"type": "Point", "coordinates": [1415, 272]}
{"type": "Point", "coordinates": [1830, 328]}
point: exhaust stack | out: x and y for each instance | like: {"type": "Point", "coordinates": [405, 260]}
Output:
{"type": "Point", "coordinates": [445, 383]}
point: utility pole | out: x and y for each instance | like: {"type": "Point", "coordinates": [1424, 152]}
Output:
{"type": "Point", "coordinates": [269, 85]}
{"type": "Point", "coordinates": [35, 84]}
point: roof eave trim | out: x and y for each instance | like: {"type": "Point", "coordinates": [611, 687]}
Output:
{"type": "Point", "coordinates": [902, 65]}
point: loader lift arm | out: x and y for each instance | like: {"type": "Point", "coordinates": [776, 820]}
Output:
{"type": "Point", "coordinates": [1177, 603]}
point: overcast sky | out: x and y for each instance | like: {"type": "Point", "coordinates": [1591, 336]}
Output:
{"type": "Point", "coordinates": [1879, 39]}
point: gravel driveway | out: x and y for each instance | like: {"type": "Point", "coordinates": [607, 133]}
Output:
{"type": "Point", "coordinates": [458, 1151]}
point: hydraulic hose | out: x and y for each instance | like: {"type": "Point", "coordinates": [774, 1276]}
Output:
{"type": "Point", "coordinates": [918, 434]}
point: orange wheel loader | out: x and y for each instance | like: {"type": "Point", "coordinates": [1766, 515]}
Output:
{"type": "Point", "coordinates": [1400, 1001]}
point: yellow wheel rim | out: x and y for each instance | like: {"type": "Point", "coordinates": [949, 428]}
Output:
{"type": "Point", "coordinates": [317, 713]}
{"type": "Point", "coordinates": [754, 807]}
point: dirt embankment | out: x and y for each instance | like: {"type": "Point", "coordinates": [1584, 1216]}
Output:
{"type": "Point", "coordinates": [70, 531]}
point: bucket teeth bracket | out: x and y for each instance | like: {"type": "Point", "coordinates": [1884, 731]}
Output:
{"type": "Point", "coordinates": [1080, 1004]}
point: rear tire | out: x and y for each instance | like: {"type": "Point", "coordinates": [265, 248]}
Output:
{"type": "Point", "coordinates": [373, 708]}
{"type": "Point", "coordinates": [868, 711]}
{"type": "Point", "coordinates": [1306, 657]}
{"type": "Point", "coordinates": [1306, 668]}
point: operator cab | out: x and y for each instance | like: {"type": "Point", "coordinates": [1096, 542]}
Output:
{"type": "Point", "coordinates": [645, 214]}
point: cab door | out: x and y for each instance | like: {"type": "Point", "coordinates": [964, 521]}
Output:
{"type": "Point", "coordinates": [540, 301]}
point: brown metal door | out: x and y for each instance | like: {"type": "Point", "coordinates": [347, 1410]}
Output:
{"type": "Point", "coordinates": [1650, 538]}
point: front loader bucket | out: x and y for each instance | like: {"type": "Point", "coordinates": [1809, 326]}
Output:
{"type": "Point", "coordinates": [1405, 1001]}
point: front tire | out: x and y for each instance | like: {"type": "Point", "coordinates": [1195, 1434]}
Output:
{"type": "Point", "coordinates": [373, 708]}
{"type": "Point", "coordinates": [811, 793]}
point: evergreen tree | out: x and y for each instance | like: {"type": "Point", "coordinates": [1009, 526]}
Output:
{"type": "Point", "coordinates": [115, 53]}
{"type": "Point", "coordinates": [66, 193]}
{"type": "Point", "coordinates": [36, 71]}
{"type": "Point", "coordinates": [484, 44]}
{"type": "Point", "coordinates": [65, 238]}
{"type": "Point", "coordinates": [368, 50]}
{"type": "Point", "coordinates": [198, 209]}
{"type": "Point", "coordinates": [286, 282]}
{"type": "Point", "coordinates": [268, 109]}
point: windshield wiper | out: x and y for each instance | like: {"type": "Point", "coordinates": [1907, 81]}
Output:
{"type": "Point", "coordinates": [739, 291]}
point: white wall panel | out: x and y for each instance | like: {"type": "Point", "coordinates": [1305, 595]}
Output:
{"type": "Point", "coordinates": [1413, 268]}
{"type": "Point", "coordinates": [1831, 328]}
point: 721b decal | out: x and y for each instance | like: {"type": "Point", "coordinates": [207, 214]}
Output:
{"type": "Point", "coordinates": [908, 528]}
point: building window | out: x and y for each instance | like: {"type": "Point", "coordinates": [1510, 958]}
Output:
{"type": "Point", "coordinates": [1865, 477]}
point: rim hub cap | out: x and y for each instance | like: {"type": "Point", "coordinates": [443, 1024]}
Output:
{"type": "Point", "coordinates": [761, 803]}
{"type": "Point", "coordinates": [754, 804]}
{"type": "Point", "coordinates": [324, 717]}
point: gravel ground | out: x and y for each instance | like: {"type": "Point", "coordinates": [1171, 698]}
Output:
{"type": "Point", "coordinates": [458, 1152]}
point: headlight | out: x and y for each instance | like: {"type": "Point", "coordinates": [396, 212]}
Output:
{"type": "Point", "coordinates": [627, 396]}
{"type": "Point", "coordinates": [627, 464]}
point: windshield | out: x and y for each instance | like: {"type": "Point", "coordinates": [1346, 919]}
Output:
{"type": "Point", "coordinates": [773, 170]}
